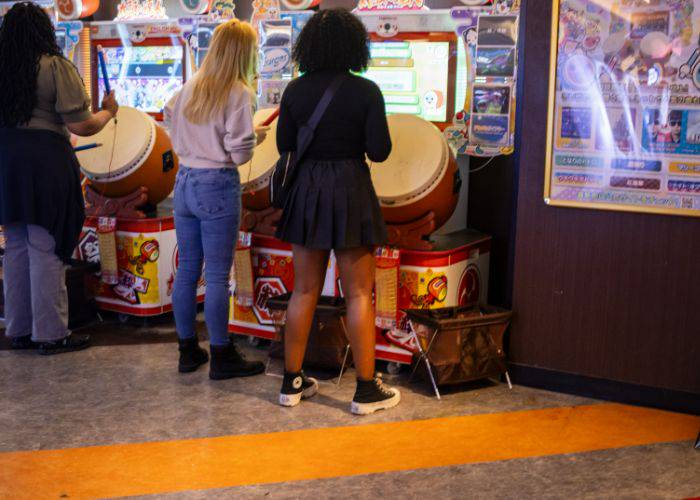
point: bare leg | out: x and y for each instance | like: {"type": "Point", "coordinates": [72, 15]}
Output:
{"type": "Point", "coordinates": [309, 273]}
{"type": "Point", "coordinates": [357, 277]}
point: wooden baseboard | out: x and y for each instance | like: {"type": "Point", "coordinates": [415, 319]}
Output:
{"type": "Point", "coordinates": [609, 390]}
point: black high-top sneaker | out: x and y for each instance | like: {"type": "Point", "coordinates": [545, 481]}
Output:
{"type": "Point", "coordinates": [295, 387]}
{"type": "Point", "coordinates": [228, 362]}
{"type": "Point", "coordinates": [373, 395]}
{"type": "Point", "coordinates": [192, 356]}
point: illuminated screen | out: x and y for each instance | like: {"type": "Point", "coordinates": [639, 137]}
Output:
{"type": "Point", "coordinates": [462, 78]}
{"type": "Point", "coordinates": [143, 77]}
{"type": "Point", "coordinates": [413, 76]}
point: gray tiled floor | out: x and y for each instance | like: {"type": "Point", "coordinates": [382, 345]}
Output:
{"type": "Point", "coordinates": [121, 394]}
{"type": "Point", "coordinates": [132, 393]}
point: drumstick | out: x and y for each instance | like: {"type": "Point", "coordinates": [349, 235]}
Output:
{"type": "Point", "coordinates": [87, 146]}
{"type": "Point", "coordinates": [271, 118]}
{"type": "Point", "coordinates": [103, 67]}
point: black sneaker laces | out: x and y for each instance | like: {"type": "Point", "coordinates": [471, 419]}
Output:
{"type": "Point", "coordinates": [381, 388]}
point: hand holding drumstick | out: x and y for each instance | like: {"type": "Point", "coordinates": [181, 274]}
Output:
{"type": "Point", "coordinates": [109, 103]}
{"type": "Point", "coordinates": [261, 133]}
{"type": "Point", "coordinates": [262, 129]}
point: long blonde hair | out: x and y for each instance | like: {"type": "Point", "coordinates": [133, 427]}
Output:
{"type": "Point", "coordinates": [232, 58]}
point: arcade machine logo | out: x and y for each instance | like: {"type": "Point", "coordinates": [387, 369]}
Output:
{"type": "Point", "coordinates": [436, 291]}
{"type": "Point", "coordinates": [149, 252]}
{"type": "Point", "coordinates": [469, 288]}
{"type": "Point", "coordinates": [264, 289]}
{"type": "Point", "coordinates": [89, 247]}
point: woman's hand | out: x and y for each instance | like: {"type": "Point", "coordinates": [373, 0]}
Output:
{"type": "Point", "coordinates": [97, 121]}
{"type": "Point", "coordinates": [109, 103]}
{"type": "Point", "coordinates": [261, 133]}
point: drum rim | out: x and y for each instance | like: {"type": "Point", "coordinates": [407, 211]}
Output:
{"type": "Point", "coordinates": [263, 180]}
{"type": "Point", "coordinates": [260, 182]}
{"type": "Point", "coordinates": [419, 193]}
{"type": "Point", "coordinates": [129, 168]}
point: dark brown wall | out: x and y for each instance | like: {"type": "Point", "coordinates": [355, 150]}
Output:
{"type": "Point", "coordinates": [604, 294]}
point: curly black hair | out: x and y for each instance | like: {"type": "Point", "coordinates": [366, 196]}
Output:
{"type": "Point", "coordinates": [26, 34]}
{"type": "Point", "coordinates": [333, 39]}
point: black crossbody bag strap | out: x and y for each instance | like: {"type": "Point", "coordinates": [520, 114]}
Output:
{"type": "Point", "coordinates": [285, 170]}
{"type": "Point", "coordinates": [304, 139]}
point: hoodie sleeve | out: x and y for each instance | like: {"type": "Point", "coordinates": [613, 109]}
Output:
{"type": "Point", "coordinates": [239, 139]}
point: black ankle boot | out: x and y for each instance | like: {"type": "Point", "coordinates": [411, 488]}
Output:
{"type": "Point", "coordinates": [228, 362]}
{"type": "Point", "coordinates": [191, 355]}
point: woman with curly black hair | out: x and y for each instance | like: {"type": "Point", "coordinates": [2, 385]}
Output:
{"type": "Point", "coordinates": [332, 204]}
{"type": "Point", "coordinates": [42, 98]}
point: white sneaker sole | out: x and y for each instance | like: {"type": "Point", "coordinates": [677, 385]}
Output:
{"type": "Point", "coordinates": [290, 400]}
{"type": "Point", "coordinates": [369, 408]}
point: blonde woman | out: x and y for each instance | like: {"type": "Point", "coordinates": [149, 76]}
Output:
{"type": "Point", "coordinates": [211, 126]}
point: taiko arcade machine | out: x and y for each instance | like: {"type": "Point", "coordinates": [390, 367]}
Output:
{"type": "Point", "coordinates": [425, 64]}
{"type": "Point", "coordinates": [129, 177]}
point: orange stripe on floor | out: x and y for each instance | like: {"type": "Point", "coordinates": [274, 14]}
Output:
{"type": "Point", "coordinates": [198, 464]}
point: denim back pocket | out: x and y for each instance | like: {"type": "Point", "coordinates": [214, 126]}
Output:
{"type": "Point", "coordinates": [216, 191]}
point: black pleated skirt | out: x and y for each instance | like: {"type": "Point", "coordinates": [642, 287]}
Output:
{"type": "Point", "coordinates": [332, 205]}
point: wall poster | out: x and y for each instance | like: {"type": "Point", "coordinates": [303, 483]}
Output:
{"type": "Point", "coordinates": [624, 106]}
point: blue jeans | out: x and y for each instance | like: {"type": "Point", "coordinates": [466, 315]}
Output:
{"type": "Point", "coordinates": [36, 301]}
{"type": "Point", "coordinates": [207, 216]}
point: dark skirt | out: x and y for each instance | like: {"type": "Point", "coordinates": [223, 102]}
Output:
{"type": "Point", "coordinates": [332, 205]}
{"type": "Point", "coordinates": [40, 185]}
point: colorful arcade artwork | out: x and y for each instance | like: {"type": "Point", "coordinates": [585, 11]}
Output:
{"type": "Point", "coordinates": [624, 120]}
{"type": "Point", "coordinates": [485, 124]}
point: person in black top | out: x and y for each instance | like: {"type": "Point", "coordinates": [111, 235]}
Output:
{"type": "Point", "coordinates": [332, 204]}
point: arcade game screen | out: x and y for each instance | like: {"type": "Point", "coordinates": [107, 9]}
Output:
{"type": "Point", "coordinates": [413, 76]}
{"type": "Point", "coordinates": [143, 77]}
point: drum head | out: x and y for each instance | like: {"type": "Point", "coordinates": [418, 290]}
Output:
{"type": "Point", "coordinates": [124, 146]}
{"type": "Point", "coordinates": [418, 159]}
{"type": "Point", "coordinates": [256, 172]}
